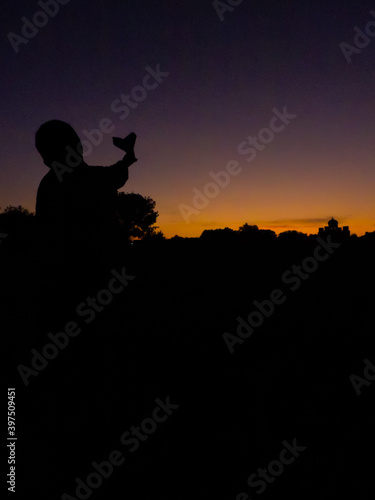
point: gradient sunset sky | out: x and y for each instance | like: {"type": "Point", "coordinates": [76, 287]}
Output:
{"type": "Point", "coordinates": [225, 78]}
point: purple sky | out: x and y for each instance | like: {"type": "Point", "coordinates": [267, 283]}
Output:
{"type": "Point", "coordinates": [225, 78]}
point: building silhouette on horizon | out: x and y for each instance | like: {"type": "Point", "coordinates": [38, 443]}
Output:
{"type": "Point", "coordinates": [333, 230]}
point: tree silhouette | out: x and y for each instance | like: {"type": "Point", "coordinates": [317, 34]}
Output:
{"type": "Point", "coordinates": [14, 219]}
{"type": "Point", "coordinates": [137, 216]}
{"type": "Point", "coordinates": [248, 229]}
{"type": "Point", "coordinates": [248, 233]}
{"type": "Point", "coordinates": [292, 236]}
{"type": "Point", "coordinates": [218, 235]}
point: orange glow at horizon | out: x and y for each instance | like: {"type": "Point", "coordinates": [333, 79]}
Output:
{"type": "Point", "coordinates": [358, 227]}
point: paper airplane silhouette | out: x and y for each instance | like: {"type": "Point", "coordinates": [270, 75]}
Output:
{"type": "Point", "coordinates": [126, 144]}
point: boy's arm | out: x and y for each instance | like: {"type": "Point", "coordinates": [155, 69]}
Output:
{"type": "Point", "coordinates": [119, 171]}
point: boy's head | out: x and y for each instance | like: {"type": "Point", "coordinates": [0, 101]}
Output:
{"type": "Point", "coordinates": [55, 140]}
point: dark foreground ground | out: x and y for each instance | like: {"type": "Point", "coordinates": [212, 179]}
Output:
{"type": "Point", "coordinates": [162, 337]}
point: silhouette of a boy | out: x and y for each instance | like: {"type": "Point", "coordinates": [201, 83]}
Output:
{"type": "Point", "coordinates": [76, 213]}
{"type": "Point", "coordinates": [85, 196]}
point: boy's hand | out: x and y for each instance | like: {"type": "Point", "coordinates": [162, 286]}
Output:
{"type": "Point", "coordinates": [130, 158]}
